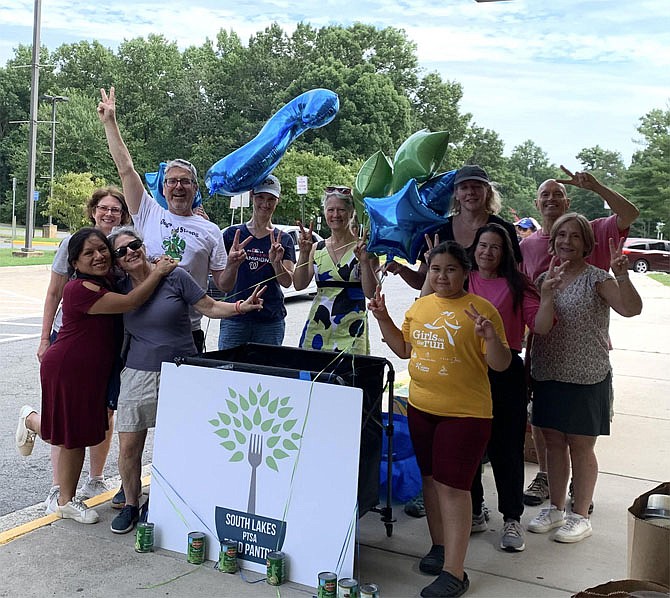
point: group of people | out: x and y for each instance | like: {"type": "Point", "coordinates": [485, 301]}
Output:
{"type": "Point", "coordinates": [481, 292]}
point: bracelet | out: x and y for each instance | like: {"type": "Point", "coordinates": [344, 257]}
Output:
{"type": "Point", "coordinates": [622, 277]}
{"type": "Point", "coordinates": [238, 303]}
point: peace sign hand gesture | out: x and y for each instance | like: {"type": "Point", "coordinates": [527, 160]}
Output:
{"type": "Point", "coordinates": [554, 276]}
{"type": "Point", "coordinates": [254, 302]}
{"type": "Point", "coordinates": [583, 180]}
{"type": "Point", "coordinates": [377, 305]}
{"type": "Point", "coordinates": [276, 254]}
{"type": "Point", "coordinates": [483, 326]}
{"type": "Point", "coordinates": [237, 254]}
{"type": "Point", "coordinates": [107, 106]}
{"type": "Point", "coordinates": [305, 238]}
{"type": "Point", "coordinates": [618, 261]}
{"type": "Point", "coordinates": [431, 244]}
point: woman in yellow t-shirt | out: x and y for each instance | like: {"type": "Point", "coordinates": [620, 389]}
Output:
{"type": "Point", "coordinates": [451, 337]}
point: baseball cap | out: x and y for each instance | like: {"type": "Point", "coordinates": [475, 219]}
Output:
{"type": "Point", "coordinates": [527, 223]}
{"type": "Point", "coordinates": [270, 184]}
{"type": "Point", "coordinates": [471, 173]}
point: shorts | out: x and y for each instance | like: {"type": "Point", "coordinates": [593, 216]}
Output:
{"type": "Point", "coordinates": [138, 400]}
{"type": "Point", "coordinates": [449, 449]}
{"type": "Point", "coordinates": [234, 332]}
{"type": "Point", "coordinates": [582, 409]}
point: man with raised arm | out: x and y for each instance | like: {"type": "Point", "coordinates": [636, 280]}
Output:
{"type": "Point", "coordinates": [176, 231]}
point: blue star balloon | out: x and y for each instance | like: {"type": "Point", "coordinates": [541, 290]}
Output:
{"type": "Point", "coordinates": [242, 169]}
{"type": "Point", "coordinates": [155, 183]}
{"type": "Point", "coordinates": [437, 193]}
{"type": "Point", "coordinates": [399, 222]}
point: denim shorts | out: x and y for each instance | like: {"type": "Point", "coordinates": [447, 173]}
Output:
{"type": "Point", "coordinates": [234, 332]}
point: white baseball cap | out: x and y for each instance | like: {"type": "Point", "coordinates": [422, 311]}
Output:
{"type": "Point", "coordinates": [270, 184]}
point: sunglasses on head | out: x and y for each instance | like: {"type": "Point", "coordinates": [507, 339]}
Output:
{"type": "Point", "coordinates": [340, 190]}
{"type": "Point", "coordinates": [134, 245]}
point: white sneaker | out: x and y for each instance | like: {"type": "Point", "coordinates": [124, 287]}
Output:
{"type": "Point", "coordinates": [25, 438]}
{"type": "Point", "coordinates": [574, 529]}
{"type": "Point", "coordinates": [547, 520]}
{"type": "Point", "coordinates": [51, 503]}
{"type": "Point", "coordinates": [78, 511]}
{"type": "Point", "coordinates": [92, 488]}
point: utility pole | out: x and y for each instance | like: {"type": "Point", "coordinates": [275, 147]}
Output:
{"type": "Point", "coordinates": [54, 100]}
{"type": "Point", "coordinates": [32, 142]}
{"type": "Point", "coordinates": [13, 210]}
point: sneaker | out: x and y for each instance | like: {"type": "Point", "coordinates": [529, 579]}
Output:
{"type": "Point", "coordinates": [547, 520]}
{"type": "Point", "coordinates": [512, 539]}
{"type": "Point", "coordinates": [78, 511]}
{"type": "Point", "coordinates": [478, 523]}
{"type": "Point", "coordinates": [571, 495]}
{"type": "Point", "coordinates": [25, 438]}
{"type": "Point", "coordinates": [447, 585]}
{"type": "Point", "coordinates": [433, 562]}
{"type": "Point", "coordinates": [415, 507]}
{"type": "Point", "coordinates": [485, 511]}
{"type": "Point", "coordinates": [51, 503]}
{"type": "Point", "coordinates": [125, 521]}
{"type": "Point", "coordinates": [574, 529]}
{"type": "Point", "coordinates": [92, 488]}
{"type": "Point", "coordinates": [119, 499]}
{"type": "Point", "coordinates": [537, 491]}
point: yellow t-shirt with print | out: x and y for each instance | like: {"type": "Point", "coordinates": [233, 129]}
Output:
{"type": "Point", "coordinates": [447, 367]}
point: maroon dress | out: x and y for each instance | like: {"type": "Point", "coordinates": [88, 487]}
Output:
{"type": "Point", "coordinates": [75, 371]}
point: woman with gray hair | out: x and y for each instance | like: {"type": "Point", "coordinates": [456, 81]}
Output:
{"type": "Point", "coordinates": [345, 276]}
{"type": "Point", "coordinates": [158, 331]}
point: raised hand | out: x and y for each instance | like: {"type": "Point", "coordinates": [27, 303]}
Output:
{"type": "Point", "coordinates": [255, 301]}
{"type": "Point", "coordinates": [583, 180]}
{"type": "Point", "coordinates": [431, 244]}
{"type": "Point", "coordinates": [618, 261]}
{"type": "Point", "coordinates": [377, 305]}
{"type": "Point", "coordinates": [305, 239]}
{"type": "Point", "coordinates": [483, 326]}
{"type": "Point", "coordinates": [361, 250]}
{"type": "Point", "coordinates": [554, 276]}
{"type": "Point", "coordinates": [237, 254]}
{"type": "Point", "coordinates": [107, 105]}
{"type": "Point", "coordinates": [276, 254]}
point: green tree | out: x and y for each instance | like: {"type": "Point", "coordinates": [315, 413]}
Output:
{"type": "Point", "coordinates": [71, 192]}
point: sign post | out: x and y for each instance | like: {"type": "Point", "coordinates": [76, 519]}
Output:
{"type": "Point", "coordinates": [301, 188]}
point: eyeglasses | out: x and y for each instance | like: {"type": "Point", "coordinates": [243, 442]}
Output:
{"type": "Point", "coordinates": [134, 245]}
{"type": "Point", "coordinates": [340, 190]}
{"type": "Point", "coordinates": [113, 210]}
{"type": "Point", "coordinates": [172, 182]}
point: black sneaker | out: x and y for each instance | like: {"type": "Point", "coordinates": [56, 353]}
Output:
{"type": "Point", "coordinates": [119, 499]}
{"type": "Point", "coordinates": [125, 521]}
{"type": "Point", "coordinates": [433, 562]}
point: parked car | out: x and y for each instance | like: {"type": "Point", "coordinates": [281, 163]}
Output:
{"type": "Point", "coordinates": [647, 254]}
{"type": "Point", "coordinates": [293, 231]}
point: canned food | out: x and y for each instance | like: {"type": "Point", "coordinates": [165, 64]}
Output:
{"type": "Point", "coordinates": [144, 537]}
{"type": "Point", "coordinates": [197, 542]}
{"type": "Point", "coordinates": [327, 585]}
{"type": "Point", "coordinates": [369, 590]}
{"type": "Point", "coordinates": [347, 588]}
{"type": "Point", "coordinates": [276, 568]}
{"type": "Point", "coordinates": [228, 556]}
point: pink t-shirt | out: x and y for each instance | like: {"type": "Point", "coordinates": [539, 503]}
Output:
{"type": "Point", "coordinates": [535, 248]}
{"type": "Point", "coordinates": [497, 292]}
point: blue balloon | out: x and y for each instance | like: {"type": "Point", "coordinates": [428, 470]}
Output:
{"type": "Point", "coordinates": [248, 165]}
{"type": "Point", "coordinates": [399, 222]}
{"type": "Point", "coordinates": [155, 183]}
{"type": "Point", "coordinates": [437, 193]}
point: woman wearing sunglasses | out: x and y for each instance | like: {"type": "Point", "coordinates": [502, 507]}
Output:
{"type": "Point", "coordinates": [159, 331]}
{"type": "Point", "coordinates": [106, 209]}
{"type": "Point", "coordinates": [76, 368]}
{"type": "Point", "coordinates": [345, 276]}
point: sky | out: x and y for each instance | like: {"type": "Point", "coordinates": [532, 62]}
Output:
{"type": "Point", "coordinates": [568, 74]}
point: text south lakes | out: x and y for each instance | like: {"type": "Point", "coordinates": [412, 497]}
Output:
{"type": "Point", "coordinates": [251, 524]}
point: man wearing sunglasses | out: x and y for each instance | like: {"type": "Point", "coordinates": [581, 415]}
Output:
{"type": "Point", "coordinates": [177, 231]}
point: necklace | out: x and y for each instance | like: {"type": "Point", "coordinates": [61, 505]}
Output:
{"type": "Point", "coordinates": [337, 253]}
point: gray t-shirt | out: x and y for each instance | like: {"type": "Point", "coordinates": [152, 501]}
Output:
{"type": "Point", "coordinates": [160, 330]}
{"type": "Point", "coordinates": [59, 266]}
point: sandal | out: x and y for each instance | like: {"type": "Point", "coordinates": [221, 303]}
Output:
{"type": "Point", "coordinates": [446, 586]}
{"type": "Point", "coordinates": [433, 562]}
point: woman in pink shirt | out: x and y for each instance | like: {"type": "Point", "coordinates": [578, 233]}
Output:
{"type": "Point", "coordinates": [496, 277]}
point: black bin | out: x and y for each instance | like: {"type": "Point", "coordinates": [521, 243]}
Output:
{"type": "Point", "coordinates": [360, 371]}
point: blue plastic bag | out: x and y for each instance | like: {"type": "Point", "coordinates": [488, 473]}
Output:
{"type": "Point", "coordinates": [406, 481]}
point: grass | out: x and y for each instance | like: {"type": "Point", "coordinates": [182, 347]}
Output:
{"type": "Point", "coordinates": [661, 277]}
{"type": "Point", "coordinates": [6, 259]}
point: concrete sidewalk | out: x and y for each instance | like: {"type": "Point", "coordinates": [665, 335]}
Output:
{"type": "Point", "coordinates": [62, 558]}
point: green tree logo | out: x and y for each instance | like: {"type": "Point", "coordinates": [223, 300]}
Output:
{"type": "Point", "coordinates": [174, 246]}
{"type": "Point", "coordinates": [257, 414]}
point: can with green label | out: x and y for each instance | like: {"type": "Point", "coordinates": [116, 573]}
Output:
{"type": "Point", "coordinates": [144, 537]}
{"type": "Point", "coordinates": [327, 585]}
{"type": "Point", "coordinates": [197, 544]}
{"type": "Point", "coordinates": [276, 563]}
{"type": "Point", "coordinates": [347, 588]}
{"type": "Point", "coordinates": [228, 556]}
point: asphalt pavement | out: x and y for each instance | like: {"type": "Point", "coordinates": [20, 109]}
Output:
{"type": "Point", "coordinates": [47, 556]}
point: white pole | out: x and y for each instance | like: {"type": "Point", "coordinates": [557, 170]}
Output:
{"type": "Point", "coordinates": [13, 210]}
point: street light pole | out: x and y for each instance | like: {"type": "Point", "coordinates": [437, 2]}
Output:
{"type": "Point", "coordinates": [13, 210]}
{"type": "Point", "coordinates": [54, 100]}
{"type": "Point", "coordinates": [32, 141]}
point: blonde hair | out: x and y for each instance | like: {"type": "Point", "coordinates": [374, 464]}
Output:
{"type": "Point", "coordinates": [493, 200]}
{"type": "Point", "coordinates": [584, 227]}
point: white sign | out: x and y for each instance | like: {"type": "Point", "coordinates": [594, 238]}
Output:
{"type": "Point", "coordinates": [237, 201]}
{"type": "Point", "coordinates": [301, 185]}
{"type": "Point", "coordinates": [270, 462]}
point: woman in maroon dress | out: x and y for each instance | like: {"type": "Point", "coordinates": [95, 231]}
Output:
{"type": "Point", "coordinates": [75, 369]}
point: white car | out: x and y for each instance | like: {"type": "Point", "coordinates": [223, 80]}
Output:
{"type": "Point", "coordinates": [293, 231]}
